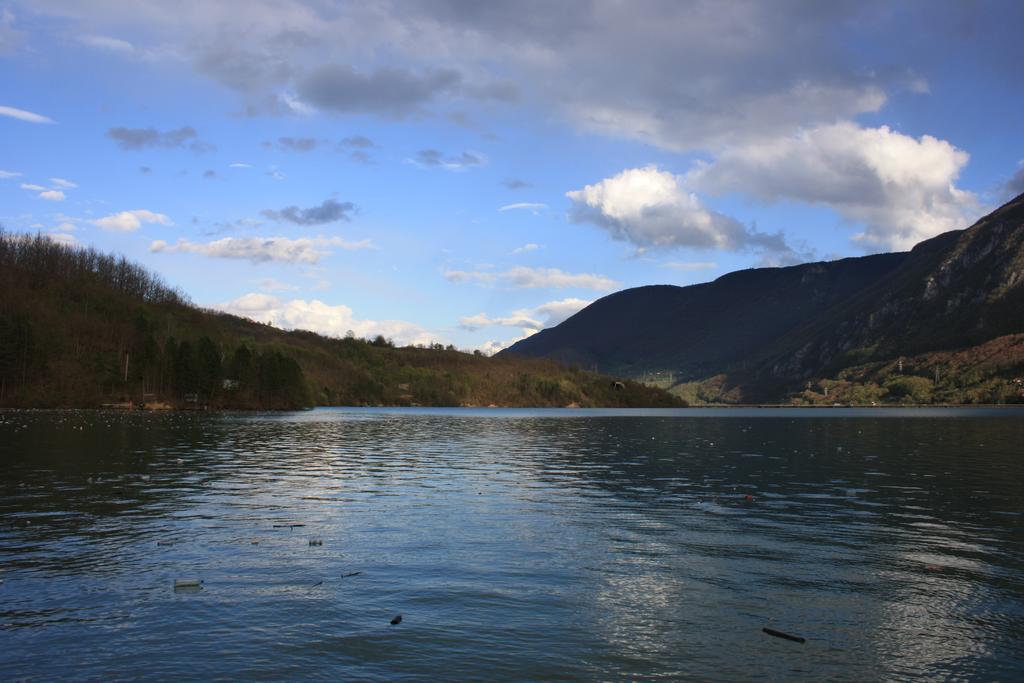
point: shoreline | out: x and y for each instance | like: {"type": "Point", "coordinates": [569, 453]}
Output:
{"type": "Point", "coordinates": [723, 406]}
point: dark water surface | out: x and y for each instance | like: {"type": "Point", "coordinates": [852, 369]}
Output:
{"type": "Point", "coordinates": [517, 545]}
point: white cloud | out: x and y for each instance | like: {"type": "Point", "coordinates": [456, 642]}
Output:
{"type": "Point", "coordinates": [519, 318]}
{"type": "Point", "coordinates": [32, 186]}
{"type": "Point", "coordinates": [477, 276]}
{"type": "Point", "coordinates": [900, 188]}
{"type": "Point", "coordinates": [690, 265]}
{"type": "Point", "coordinates": [524, 277]}
{"type": "Point", "coordinates": [529, 319]}
{"type": "Point", "coordinates": [61, 182]}
{"type": "Point", "coordinates": [52, 195]}
{"type": "Point", "coordinates": [263, 249]}
{"type": "Point", "coordinates": [66, 227]}
{"type": "Point", "coordinates": [526, 248]}
{"type": "Point", "coordinates": [272, 285]}
{"type": "Point", "coordinates": [107, 43]}
{"type": "Point", "coordinates": [63, 238]}
{"type": "Point", "coordinates": [8, 174]}
{"type": "Point", "coordinates": [23, 115]}
{"type": "Point", "coordinates": [239, 164]}
{"type": "Point", "coordinates": [316, 316]}
{"type": "Point", "coordinates": [127, 221]}
{"type": "Point", "coordinates": [650, 208]}
{"type": "Point", "coordinates": [493, 346]}
{"type": "Point", "coordinates": [534, 207]}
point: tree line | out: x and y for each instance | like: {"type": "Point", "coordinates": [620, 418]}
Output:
{"type": "Point", "coordinates": [79, 327]}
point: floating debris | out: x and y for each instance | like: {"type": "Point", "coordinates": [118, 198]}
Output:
{"type": "Point", "coordinates": [345, 576]}
{"type": "Point", "coordinates": [316, 541]}
{"type": "Point", "coordinates": [785, 636]}
{"type": "Point", "coordinates": [255, 541]}
{"type": "Point", "coordinates": [187, 583]}
{"type": "Point", "coordinates": [397, 620]}
{"type": "Point", "coordinates": [287, 526]}
{"type": "Point", "coordinates": [318, 583]}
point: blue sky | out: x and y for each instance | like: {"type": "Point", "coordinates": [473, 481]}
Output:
{"type": "Point", "coordinates": [472, 172]}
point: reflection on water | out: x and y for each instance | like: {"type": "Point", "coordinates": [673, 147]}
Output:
{"type": "Point", "coordinates": [516, 545]}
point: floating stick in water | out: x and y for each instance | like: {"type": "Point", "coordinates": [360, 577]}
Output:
{"type": "Point", "coordinates": [785, 636]}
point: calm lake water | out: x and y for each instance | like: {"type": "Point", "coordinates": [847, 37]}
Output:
{"type": "Point", "coordinates": [516, 545]}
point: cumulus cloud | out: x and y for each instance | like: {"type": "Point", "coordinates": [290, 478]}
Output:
{"type": "Point", "coordinates": [329, 211]}
{"type": "Point", "coordinates": [128, 221]}
{"type": "Point", "coordinates": [648, 207]}
{"type": "Point", "coordinates": [530, 319]}
{"type": "Point", "coordinates": [526, 248]}
{"type": "Point", "coordinates": [317, 316]}
{"type": "Point", "coordinates": [524, 277]}
{"type": "Point", "coordinates": [263, 249]}
{"type": "Point", "coordinates": [135, 139]}
{"type": "Point", "coordinates": [433, 158]}
{"type": "Point", "coordinates": [52, 195]}
{"type": "Point", "coordinates": [23, 115]}
{"type": "Point", "coordinates": [901, 189]}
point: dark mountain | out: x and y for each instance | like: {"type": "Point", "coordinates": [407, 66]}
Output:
{"type": "Point", "coordinates": [769, 330]}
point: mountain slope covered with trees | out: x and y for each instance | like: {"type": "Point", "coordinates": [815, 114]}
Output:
{"type": "Point", "coordinates": [79, 328]}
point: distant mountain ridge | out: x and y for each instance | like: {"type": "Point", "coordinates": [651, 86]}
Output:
{"type": "Point", "coordinates": [769, 330]}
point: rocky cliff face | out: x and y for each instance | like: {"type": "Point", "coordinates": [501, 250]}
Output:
{"type": "Point", "coordinates": [766, 327]}
{"type": "Point", "coordinates": [955, 290]}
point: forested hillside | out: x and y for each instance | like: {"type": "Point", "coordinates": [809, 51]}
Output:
{"type": "Point", "coordinates": [79, 328]}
